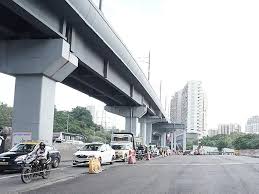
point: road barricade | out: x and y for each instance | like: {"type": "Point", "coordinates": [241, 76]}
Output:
{"type": "Point", "coordinates": [94, 166]}
{"type": "Point", "coordinates": [132, 157]}
{"type": "Point", "coordinates": [148, 156]}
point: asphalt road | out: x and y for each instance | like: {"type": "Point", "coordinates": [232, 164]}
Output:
{"type": "Point", "coordinates": [174, 174]}
{"type": "Point", "coordinates": [10, 182]}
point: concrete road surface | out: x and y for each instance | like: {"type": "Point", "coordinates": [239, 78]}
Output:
{"type": "Point", "coordinates": [174, 174]}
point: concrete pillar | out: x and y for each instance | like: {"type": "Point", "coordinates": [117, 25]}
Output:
{"type": "Point", "coordinates": [163, 139]}
{"type": "Point", "coordinates": [37, 65]}
{"type": "Point", "coordinates": [33, 112]}
{"type": "Point", "coordinates": [175, 143]}
{"type": "Point", "coordinates": [143, 131]}
{"type": "Point", "coordinates": [172, 140]}
{"type": "Point", "coordinates": [131, 114]}
{"type": "Point", "coordinates": [184, 140]}
{"type": "Point", "coordinates": [148, 133]}
{"type": "Point", "coordinates": [131, 125]}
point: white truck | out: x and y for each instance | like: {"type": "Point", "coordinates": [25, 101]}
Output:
{"type": "Point", "coordinates": [122, 143]}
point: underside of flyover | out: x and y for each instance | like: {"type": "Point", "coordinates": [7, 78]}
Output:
{"type": "Point", "coordinates": [23, 25]}
{"type": "Point", "coordinates": [83, 78]}
{"type": "Point", "coordinates": [86, 81]}
{"type": "Point", "coordinates": [106, 70]}
{"type": "Point", "coordinates": [12, 26]}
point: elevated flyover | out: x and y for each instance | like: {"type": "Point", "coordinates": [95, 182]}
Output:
{"type": "Point", "coordinates": [68, 41]}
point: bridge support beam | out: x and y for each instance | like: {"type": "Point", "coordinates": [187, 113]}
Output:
{"type": "Point", "coordinates": [143, 131]}
{"type": "Point", "coordinates": [147, 127]}
{"type": "Point", "coordinates": [163, 139]}
{"type": "Point", "coordinates": [131, 125]}
{"type": "Point", "coordinates": [33, 112]}
{"type": "Point", "coordinates": [131, 115]}
{"type": "Point", "coordinates": [173, 140]}
{"type": "Point", "coordinates": [37, 66]}
{"type": "Point", "coordinates": [184, 140]}
{"type": "Point", "coordinates": [149, 133]}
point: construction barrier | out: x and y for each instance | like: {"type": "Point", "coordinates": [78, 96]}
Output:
{"type": "Point", "coordinates": [148, 156]}
{"type": "Point", "coordinates": [237, 153]}
{"type": "Point", "coordinates": [132, 157]}
{"type": "Point", "coordinates": [94, 166]}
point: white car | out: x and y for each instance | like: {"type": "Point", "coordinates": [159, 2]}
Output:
{"type": "Point", "coordinates": [103, 152]}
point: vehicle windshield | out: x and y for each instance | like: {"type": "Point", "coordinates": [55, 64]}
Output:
{"type": "Point", "coordinates": [23, 148]}
{"type": "Point", "coordinates": [119, 147]}
{"type": "Point", "coordinates": [91, 147]}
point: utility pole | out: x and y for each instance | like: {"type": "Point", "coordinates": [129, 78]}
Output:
{"type": "Point", "coordinates": [165, 105]}
{"type": "Point", "coordinates": [160, 90]}
{"type": "Point", "coordinates": [148, 75]}
{"type": "Point", "coordinates": [67, 121]}
{"type": "Point", "coordinates": [105, 121]}
{"type": "Point", "coordinates": [100, 4]}
{"type": "Point", "coordinates": [147, 60]}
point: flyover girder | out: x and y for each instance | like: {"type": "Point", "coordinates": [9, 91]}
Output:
{"type": "Point", "coordinates": [62, 18]}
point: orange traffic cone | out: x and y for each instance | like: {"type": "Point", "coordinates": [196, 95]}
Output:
{"type": "Point", "coordinates": [148, 156]}
{"type": "Point", "coordinates": [132, 157]}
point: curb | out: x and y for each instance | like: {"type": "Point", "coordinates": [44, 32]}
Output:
{"type": "Point", "coordinates": [250, 156]}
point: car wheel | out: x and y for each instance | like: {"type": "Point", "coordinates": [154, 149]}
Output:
{"type": "Point", "coordinates": [113, 158]}
{"type": "Point", "coordinates": [55, 163]}
{"type": "Point", "coordinates": [100, 160]}
{"type": "Point", "coordinates": [125, 158]}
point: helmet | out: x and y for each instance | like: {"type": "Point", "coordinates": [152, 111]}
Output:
{"type": "Point", "coordinates": [42, 145]}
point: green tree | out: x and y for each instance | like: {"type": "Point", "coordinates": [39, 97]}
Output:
{"type": "Point", "coordinates": [248, 141]}
{"type": "Point", "coordinates": [60, 120]}
{"type": "Point", "coordinates": [80, 121]}
{"type": "Point", "coordinates": [221, 143]}
{"type": "Point", "coordinates": [5, 115]}
{"type": "Point", "coordinates": [83, 116]}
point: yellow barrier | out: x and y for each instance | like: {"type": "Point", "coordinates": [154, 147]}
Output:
{"type": "Point", "coordinates": [94, 166]}
{"type": "Point", "coordinates": [237, 152]}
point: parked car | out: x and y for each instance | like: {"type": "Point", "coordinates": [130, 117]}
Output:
{"type": "Point", "coordinates": [101, 151]}
{"type": "Point", "coordinates": [121, 151]}
{"type": "Point", "coordinates": [187, 152]}
{"type": "Point", "coordinates": [13, 159]}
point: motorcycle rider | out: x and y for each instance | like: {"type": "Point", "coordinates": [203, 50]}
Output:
{"type": "Point", "coordinates": [42, 154]}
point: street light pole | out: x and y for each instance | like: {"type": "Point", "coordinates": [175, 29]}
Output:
{"type": "Point", "coordinates": [67, 120]}
{"type": "Point", "coordinates": [100, 4]}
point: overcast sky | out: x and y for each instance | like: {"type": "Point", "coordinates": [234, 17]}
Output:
{"type": "Point", "coordinates": [216, 42]}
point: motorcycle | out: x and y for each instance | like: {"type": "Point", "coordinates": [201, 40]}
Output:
{"type": "Point", "coordinates": [140, 154]}
{"type": "Point", "coordinates": [32, 168]}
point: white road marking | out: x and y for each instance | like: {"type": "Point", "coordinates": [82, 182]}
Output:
{"type": "Point", "coordinates": [193, 164]}
{"type": "Point", "coordinates": [18, 175]}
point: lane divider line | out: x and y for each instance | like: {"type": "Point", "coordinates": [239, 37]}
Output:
{"type": "Point", "coordinates": [18, 175]}
{"type": "Point", "coordinates": [194, 164]}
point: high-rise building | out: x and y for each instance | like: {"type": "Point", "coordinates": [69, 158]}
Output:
{"type": "Point", "coordinates": [252, 125]}
{"type": "Point", "coordinates": [228, 128]}
{"type": "Point", "coordinates": [194, 109]}
{"type": "Point", "coordinates": [212, 132]}
{"type": "Point", "coordinates": [175, 108]}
